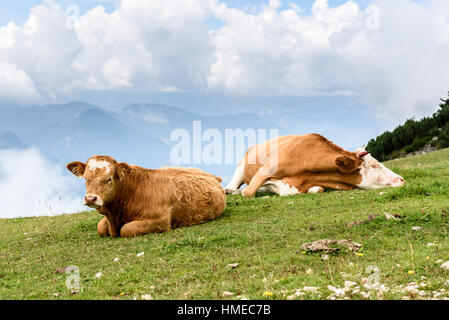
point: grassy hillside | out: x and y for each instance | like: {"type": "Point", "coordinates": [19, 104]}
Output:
{"type": "Point", "coordinates": [263, 235]}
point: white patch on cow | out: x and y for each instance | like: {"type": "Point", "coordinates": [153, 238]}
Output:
{"type": "Point", "coordinates": [375, 175]}
{"type": "Point", "coordinates": [95, 164]}
{"type": "Point", "coordinates": [280, 188]}
{"type": "Point", "coordinates": [315, 190]}
{"type": "Point", "coordinates": [237, 178]}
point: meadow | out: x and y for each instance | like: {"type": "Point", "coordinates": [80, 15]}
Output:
{"type": "Point", "coordinates": [253, 251]}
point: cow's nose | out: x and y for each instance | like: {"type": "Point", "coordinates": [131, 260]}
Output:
{"type": "Point", "coordinates": [90, 198]}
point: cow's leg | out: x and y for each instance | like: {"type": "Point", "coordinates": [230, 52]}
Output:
{"type": "Point", "coordinates": [315, 190]}
{"type": "Point", "coordinates": [141, 227]}
{"type": "Point", "coordinates": [236, 181]}
{"type": "Point", "coordinates": [112, 222]}
{"type": "Point", "coordinates": [103, 228]}
{"type": "Point", "coordinates": [257, 181]}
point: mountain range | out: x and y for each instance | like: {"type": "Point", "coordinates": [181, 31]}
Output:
{"type": "Point", "coordinates": [137, 134]}
{"type": "Point", "coordinates": [140, 132]}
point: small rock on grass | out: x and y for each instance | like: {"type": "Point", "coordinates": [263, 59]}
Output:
{"type": "Point", "coordinates": [227, 294]}
{"type": "Point", "coordinates": [330, 245]}
{"type": "Point", "coordinates": [311, 289]}
{"type": "Point", "coordinates": [416, 228]}
{"type": "Point", "coordinates": [337, 291]}
{"type": "Point", "coordinates": [146, 297]}
{"type": "Point", "coordinates": [370, 218]}
{"type": "Point", "coordinates": [445, 266]}
{"type": "Point", "coordinates": [350, 284]}
{"type": "Point", "coordinates": [60, 270]}
{"type": "Point", "coordinates": [390, 216]}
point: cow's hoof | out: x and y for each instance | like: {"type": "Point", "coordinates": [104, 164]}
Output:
{"type": "Point", "coordinates": [233, 192]}
{"type": "Point", "coordinates": [245, 194]}
{"type": "Point", "coordinates": [315, 190]}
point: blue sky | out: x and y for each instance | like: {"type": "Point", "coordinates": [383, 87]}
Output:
{"type": "Point", "coordinates": [18, 11]}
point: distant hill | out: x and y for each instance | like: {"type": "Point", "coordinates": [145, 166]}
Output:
{"type": "Point", "coordinates": [9, 140]}
{"type": "Point", "coordinates": [138, 134]}
{"type": "Point", "coordinates": [19, 119]}
{"type": "Point", "coordinates": [429, 133]}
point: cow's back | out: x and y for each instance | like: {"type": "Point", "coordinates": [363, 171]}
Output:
{"type": "Point", "coordinates": [195, 196]}
{"type": "Point", "coordinates": [295, 154]}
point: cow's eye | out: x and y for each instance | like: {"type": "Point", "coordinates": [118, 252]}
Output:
{"type": "Point", "coordinates": [109, 180]}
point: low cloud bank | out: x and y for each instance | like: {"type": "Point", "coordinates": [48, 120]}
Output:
{"type": "Point", "coordinates": [30, 186]}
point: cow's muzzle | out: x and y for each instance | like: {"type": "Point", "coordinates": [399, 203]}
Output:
{"type": "Point", "coordinates": [398, 182]}
{"type": "Point", "coordinates": [92, 201]}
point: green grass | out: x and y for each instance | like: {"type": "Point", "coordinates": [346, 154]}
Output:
{"type": "Point", "coordinates": [263, 235]}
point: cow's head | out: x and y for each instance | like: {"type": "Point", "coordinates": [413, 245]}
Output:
{"type": "Point", "coordinates": [102, 174]}
{"type": "Point", "coordinates": [374, 174]}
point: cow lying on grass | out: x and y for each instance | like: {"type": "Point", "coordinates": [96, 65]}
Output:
{"type": "Point", "coordinates": [308, 164]}
{"type": "Point", "coordinates": [137, 201]}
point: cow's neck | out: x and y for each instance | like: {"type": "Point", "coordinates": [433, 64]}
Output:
{"type": "Point", "coordinates": [336, 181]}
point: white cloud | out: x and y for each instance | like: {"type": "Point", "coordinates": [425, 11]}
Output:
{"type": "Point", "coordinates": [16, 85]}
{"type": "Point", "coordinates": [145, 45]}
{"type": "Point", "coordinates": [31, 186]}
{"type": "Point", "coordinates": [277, 52]}
{"type": "Point", "coordinates": [43, 48]}
{"type": "Point", "coordinates": [398, 69]}
{"type": "Point", "coordinates": [401, 68]}
{"type": "Point", "coordinates": [116, 74]}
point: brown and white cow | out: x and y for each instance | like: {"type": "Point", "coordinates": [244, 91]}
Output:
{"type": "Point", "coordinates": [308, 164]}
{"type": "Point", "coordinates": [137, 201]}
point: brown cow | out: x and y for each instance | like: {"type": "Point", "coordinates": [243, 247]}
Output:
{"type": "Point", "coordinates": [137, 201]}
{"type": "Point", "coordinates": [308, 164]}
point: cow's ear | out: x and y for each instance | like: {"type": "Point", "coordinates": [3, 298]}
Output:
{"type": "Point", "coordinates": [346, 164]}
{"type": "Point", "coordinates": [77, 168]}
{"type": "Point", "coordinates": [123, 169]}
